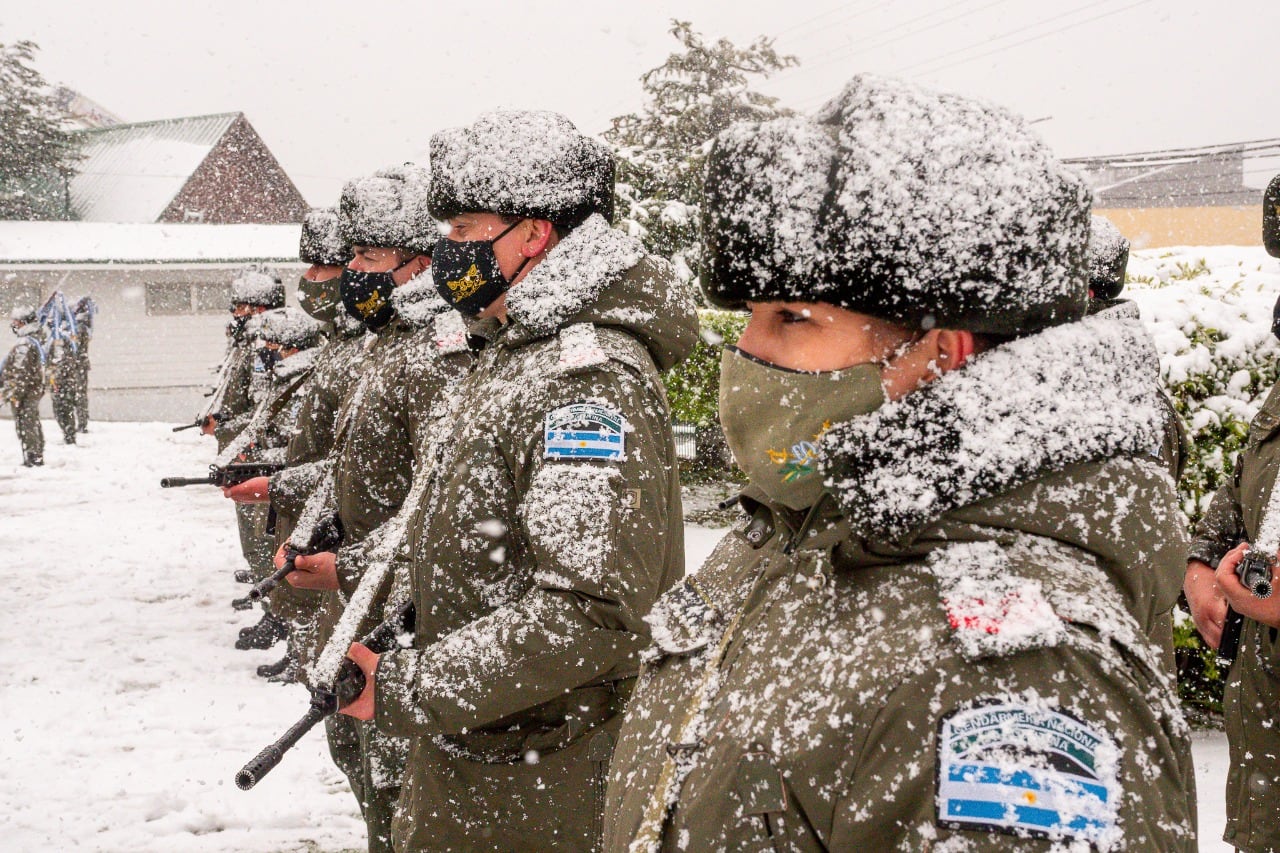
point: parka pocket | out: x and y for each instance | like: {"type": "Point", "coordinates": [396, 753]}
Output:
{"type": "Point", "coordinates": [763, 793]}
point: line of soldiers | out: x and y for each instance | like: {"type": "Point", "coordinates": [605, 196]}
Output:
{"type": "Point", "coordinates": [52, 353]}
{"type": "Point", "coordinates": [944, 621]}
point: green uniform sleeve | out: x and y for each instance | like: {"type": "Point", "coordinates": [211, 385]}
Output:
{"type": "Point", "coordinates": [1220, 528]}
{"type": "Point", "coordinates": [599, 536]}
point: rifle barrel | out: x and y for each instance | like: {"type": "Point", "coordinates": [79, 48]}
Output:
{"type": "Point", "coordinates": [264, 762]}
{"type": "Point", "coordinates": [174, 482]}
{"type": "Point", "coordinates": [264, 586]}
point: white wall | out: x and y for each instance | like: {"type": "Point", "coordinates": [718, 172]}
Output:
{"type": "Point", "coordinates": [144, 367]}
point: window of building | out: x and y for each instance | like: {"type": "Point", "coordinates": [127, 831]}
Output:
{"type": "Point", "coordinates": [212, 298]}
{"type": "Point", "coordinates": [169, 298]}
{"type": "Point", "coordinates": [186, 297]}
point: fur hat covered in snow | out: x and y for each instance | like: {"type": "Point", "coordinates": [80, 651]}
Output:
{"type": "Point", "coordinates": [388, 209]}
{"type": "Point", "coordinates": [919, 208]}
{"type": "Point", "coordinates": [255, 285]}
{"type": "Point", "coordinates": [23, 314]}
{"type": "Point", "coordinates": [321, 243]}
{"type": "Point", "coordinates": [288, 327]}
{"type": "Point", "coordinates": [527, 163]}
{"type": "Point", "coordinates": [1108, 258]}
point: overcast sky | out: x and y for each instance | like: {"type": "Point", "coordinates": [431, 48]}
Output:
{"type": "Point", "coordinates": [339, 89]}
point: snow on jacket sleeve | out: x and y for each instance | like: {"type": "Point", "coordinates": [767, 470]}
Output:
{"type": "Point", "coordinates": [599, 537]}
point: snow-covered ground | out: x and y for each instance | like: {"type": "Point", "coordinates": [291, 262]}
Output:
{"type": "Point", "coordinates": [126, 712]}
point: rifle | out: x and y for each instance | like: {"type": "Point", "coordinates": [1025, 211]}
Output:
{"type": "Point", "coordinates": [327, 536]}
{"type": "Point", "coordinates": [232, 474]}
{"type": "Point", "coordinates": [199, 422]}
{"type": "Point", "coordinates": [325, 701]}
{"type": "Point", "coordinates": [1254, 572]}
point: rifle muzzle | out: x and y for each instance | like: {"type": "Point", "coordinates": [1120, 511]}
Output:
{"type": "Point", "coordinates": [1255, 574]}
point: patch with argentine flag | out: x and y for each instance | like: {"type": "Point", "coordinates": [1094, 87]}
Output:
{"type": "Point", "coordinates": [1027, 769]}
{"type": "Point", "coordinates": [585, 431]}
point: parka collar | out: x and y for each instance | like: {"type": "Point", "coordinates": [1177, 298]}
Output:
{"type": "Point", "coordinates": [1081, 392]}
{"type": "Point", "coordinates": [417, 302]}
{"type": "Point", "coordinates": [295, 365]}
{"type": "Point", "coordinates": [572, 276]}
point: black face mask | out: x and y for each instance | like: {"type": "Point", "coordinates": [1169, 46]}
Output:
{"type": "Point", "coordinates": [367, 295]}
{"type": "Point", "coordinates": [466, 273]}
{"type": "Point", "coordinates": [268, 359]}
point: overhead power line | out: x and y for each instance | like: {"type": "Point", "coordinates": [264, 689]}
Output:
{"type": "Point", "coordinates": [1062, 29]}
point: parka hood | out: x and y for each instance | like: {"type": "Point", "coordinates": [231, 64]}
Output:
{"type": "Point", "coordinates": [600, 275]}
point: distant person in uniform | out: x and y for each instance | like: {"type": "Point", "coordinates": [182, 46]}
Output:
{"type": "Point", "coordinates": [84, 312]}
{"type": "Point", "coordinates": [22, 383]}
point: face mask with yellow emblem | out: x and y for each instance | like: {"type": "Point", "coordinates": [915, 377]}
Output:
{"type": "Point", "coordinates": [467, 275]}
{"type": "Point", "coordinates": [774, 419]}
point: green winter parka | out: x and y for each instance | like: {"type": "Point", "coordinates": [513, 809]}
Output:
{"type": "Point", "coordinates": [551, 524]}
{"type": "Point", "coordinates": [952, 649]}
{"type": "Point", "coordinates": [1251, 700]}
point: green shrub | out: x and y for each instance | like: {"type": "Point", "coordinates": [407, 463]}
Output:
{"type": "Point", "coordinates": [693, 387]}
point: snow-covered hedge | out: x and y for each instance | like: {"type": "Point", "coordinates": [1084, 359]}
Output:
{"type": "Point", "coordinates": [1209, 310]}
{"type": "Point", "coordinates": [694, 386]}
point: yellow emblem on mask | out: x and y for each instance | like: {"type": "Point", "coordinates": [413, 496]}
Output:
{"type": "Point", "coordinates": [468, 284]}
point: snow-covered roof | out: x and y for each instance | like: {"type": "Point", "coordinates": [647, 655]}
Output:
{"type": "Point", "coordinates": [113, 242]}
{"type": "Point", "coordinates": [131, 172]}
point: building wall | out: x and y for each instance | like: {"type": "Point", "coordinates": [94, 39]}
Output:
{"type": "Point", "coordinates": [147, 363]}
{"type": "Point", "coordinates": [1154, 227]}
{"type": "Point", "coordinates": [239, 181]}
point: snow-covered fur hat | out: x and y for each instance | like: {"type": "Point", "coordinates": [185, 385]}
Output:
{"type": "Point", "coordinates": [288, 327]}
{"type": "Point", "coordinates": [1108, 258]}
{"type": "Point", "coordinates": [320, 242]}
{"type": "Point", "coordinates": [388, 209]}
{"type": "Point", "coordinates": [919, 208]}
{"type": "Point", "coordinates": [527, 163]}
{"type": "Point", "coordinates": [253, 286]}
{"type": "Point", "coordinates": [23, 314]}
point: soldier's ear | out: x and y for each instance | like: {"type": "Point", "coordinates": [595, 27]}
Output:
{"type": "Point", "coordinates": [955, 347]}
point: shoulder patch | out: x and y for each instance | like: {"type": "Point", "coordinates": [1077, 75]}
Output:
{"type": "Point", "coordinates": [580, 348]}
{"type": "Point", "coordinates": [585, 431]}
{"type": "Point", "coordinates": [1018, 767]}
{"type": "Point", "coordinates": [992, 611]}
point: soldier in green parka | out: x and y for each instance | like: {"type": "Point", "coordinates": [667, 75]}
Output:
{"type": "Point", "coordinates": [22, 383]}
{"type": "Point", "coordinates": [284, 342]}
{"type": "Point", "coordinates": [417, 352]}
{"type": "Point", "coordinates": [338, 363]}
{"type": "Point", "coordinates": [931, 628]}
{"type": "Point", "coordinates": [1239, 514]}
{"type": "Point", "coordinates": [552, 519]}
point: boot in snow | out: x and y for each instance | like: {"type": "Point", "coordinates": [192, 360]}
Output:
{"type": "Point", "coordinates": [264, 635]}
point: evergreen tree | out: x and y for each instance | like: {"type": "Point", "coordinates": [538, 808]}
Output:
{"type": "Point", "coordinates": [661, 150]}
{"type": "Point", "coordinates": [37, 153]}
